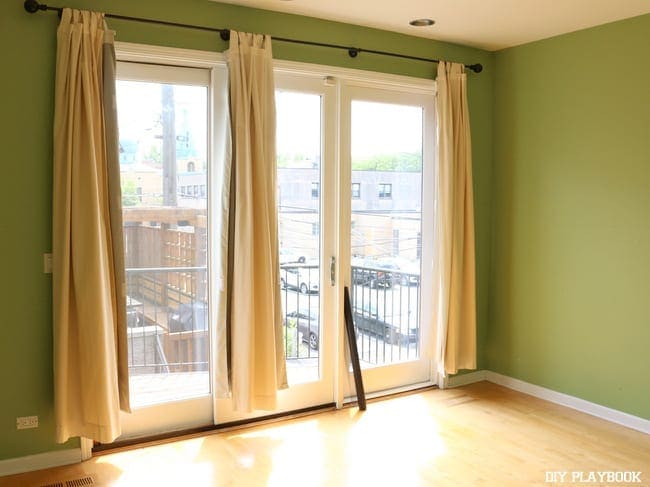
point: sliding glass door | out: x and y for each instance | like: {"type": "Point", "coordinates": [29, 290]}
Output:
{"type": "Point", "coordinates": [355, 208]}
{"type": "Point", "coordinates": [386, 203]}
{"type": "Point", "coordinates": [164, 159]}
{"type": "Point", "coordinates": [306, 224]}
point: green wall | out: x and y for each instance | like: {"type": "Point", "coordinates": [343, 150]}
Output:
{"type": "Point", "coordinates": [27, 50]}
{"type": "Point", "coordinates": [570, 268]}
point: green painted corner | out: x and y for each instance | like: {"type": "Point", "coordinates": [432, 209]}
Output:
{"type": "Point", "coordinates": [27, 48]}
{"type": "Point", "coordinates": [570, 267]}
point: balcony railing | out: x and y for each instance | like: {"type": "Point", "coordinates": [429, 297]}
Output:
{"type": "Point", "coordinates": [167, 316]}
{"type": "Point", "coordinates": [386, 312]}
{"type": "Point", "coordinates": [385, 306]}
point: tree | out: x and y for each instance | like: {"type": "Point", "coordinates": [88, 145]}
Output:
{"type": "Point", "coordinates": [130, 195]}
{"type": "Point", "coordinates": [401, 161]}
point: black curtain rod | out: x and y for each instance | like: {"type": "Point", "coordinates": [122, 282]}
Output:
{"type": "Point", "coordinates": [33, 6]}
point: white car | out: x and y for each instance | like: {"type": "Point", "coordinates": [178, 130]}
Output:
{"type": "Point", "coordinates": [404, 272]}
{"type": "Point", "coordinates": [305, 279]}
{"type": "Point", "coordinates": [289, 257]}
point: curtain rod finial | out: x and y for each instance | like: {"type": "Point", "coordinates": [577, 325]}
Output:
{"type": "Point", "coordinates": [477, 68]}
{"type": "Point", "coordinates": [224, 34]}
{"type": "Point", "coordinates": [32, 6]}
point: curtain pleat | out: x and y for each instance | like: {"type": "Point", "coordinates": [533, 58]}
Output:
{"type": "Point", "coordinates": [257, 367]}
{"type": "Point", "coordinates": [454, 282]}
{"type": "Point", "coordinates": [88, 276]}
{"type": "Point", "coordinates": [114, 187]}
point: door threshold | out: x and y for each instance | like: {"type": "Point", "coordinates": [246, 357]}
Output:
{"type": "Point", "coordinates": [391, 393]}
{"type": "Point", "coordinates": [187, 434]}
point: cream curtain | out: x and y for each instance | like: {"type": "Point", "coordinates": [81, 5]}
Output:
{"type": "Point", "coordinates": [257, 367]}
{"type": "Point", "coordinates": [454, 282]}
{"type": "Point", "coordinates": [90, 368]}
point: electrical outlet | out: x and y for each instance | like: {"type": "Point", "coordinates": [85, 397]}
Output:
{"type": "Point", "coordinates": [27, 422]}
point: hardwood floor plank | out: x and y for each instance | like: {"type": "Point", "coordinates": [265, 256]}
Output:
{"type": "Point", "coordinates": [480, 434]}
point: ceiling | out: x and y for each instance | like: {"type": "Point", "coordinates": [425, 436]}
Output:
{"type": "Point", "coordinates": [486, 24]}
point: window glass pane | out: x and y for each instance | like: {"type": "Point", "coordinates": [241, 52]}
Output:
{"type": "Point", "coordinates": [356, 190]}
{"type": "Point", "coordinates": [385, 230]}
{"type": "Point", "coordinates": [163, 162]}
{"type": "Point", "coordinates": [299, 176]}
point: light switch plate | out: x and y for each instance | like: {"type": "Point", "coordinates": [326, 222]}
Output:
{"type": "Point", "coordinates": [47, 263]}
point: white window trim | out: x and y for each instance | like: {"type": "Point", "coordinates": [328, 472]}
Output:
{"type": "Point", "coordinates": [329, 76]}
{"type": "Point", "coordinates": [127, 51]}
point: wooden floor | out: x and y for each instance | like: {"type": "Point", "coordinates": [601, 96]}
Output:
{"type": "Point", "coordinates": [481, 434]}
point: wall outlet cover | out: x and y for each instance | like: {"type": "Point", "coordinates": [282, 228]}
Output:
{"type": "Point", "coordinates": [26, 422]}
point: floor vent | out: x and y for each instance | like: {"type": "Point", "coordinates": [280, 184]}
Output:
{"type": "Point", "coordinates": [80, 482]}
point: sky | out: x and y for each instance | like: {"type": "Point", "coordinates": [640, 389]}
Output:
{"type": "Point", "coordinates": [377, 128]}
{"type": "Point", "coordinates": [139, 107]}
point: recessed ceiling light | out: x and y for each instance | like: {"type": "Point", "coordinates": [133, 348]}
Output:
{"type": "Point", "coordinates": [422, 22]}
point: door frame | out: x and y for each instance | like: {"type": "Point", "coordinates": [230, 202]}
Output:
{"type": "Point", "coordinates": [335, 186]}
{"type": "Point", "coordinates": [160, 64]}
{"type": "Point", "coordinates": [310, 394]}
{"type": "Point", "coordinates": [421, 373]}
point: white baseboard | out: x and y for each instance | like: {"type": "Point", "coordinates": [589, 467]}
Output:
{"type": "Point", "coordinates": [40, 461]}
{"type": "Point", "coordinates": [609, 414]}
{"type": "Point", "coordinates": [86, 445]}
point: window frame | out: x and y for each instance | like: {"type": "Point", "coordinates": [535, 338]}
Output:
{"type": "Point", "coordinates": [315, 190]}
{"type": "Point", "coordinates": [328, 76]}
{"type": "Point", "coordinates": [355, 191]}
{"type": "Point", "coordinates": [196, 411]}
{"type": "Point", "coordinates": [383, 194]}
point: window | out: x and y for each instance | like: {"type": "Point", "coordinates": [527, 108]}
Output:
{"type": "Point", "coordinates": [165, 262]}
{"type": "Point", "coordinates": [392, 126]}
{"type": "Point", "coordinates": [385, 191]}
{"type": "Point", "coordinates": [356, 191]}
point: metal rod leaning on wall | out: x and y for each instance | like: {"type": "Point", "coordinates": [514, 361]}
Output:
{"type": "Point", "coordinates": [354, 353]}
{"type": "Point", "coordinates": [33, 6]}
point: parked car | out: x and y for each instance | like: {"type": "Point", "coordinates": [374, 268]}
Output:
{"type": "Point", "coordinates": [392, 329]}
{"type": "Point", "coordinates": [304, 279]}
{"type": "Point", "coordinates": [368, 273]}
{"type": "Point", "coordinates": [402, 271]}
{"type": "Point", "coordinates": [307, 323]}
{"type": "Point", "coordinates": [287, 256]}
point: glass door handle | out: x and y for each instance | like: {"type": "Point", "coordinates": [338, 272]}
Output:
{"type": "Point", "coordinates": [332, 270]}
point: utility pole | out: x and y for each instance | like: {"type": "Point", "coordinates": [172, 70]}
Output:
{"type": "Point", "coordinates": [168, 146]}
